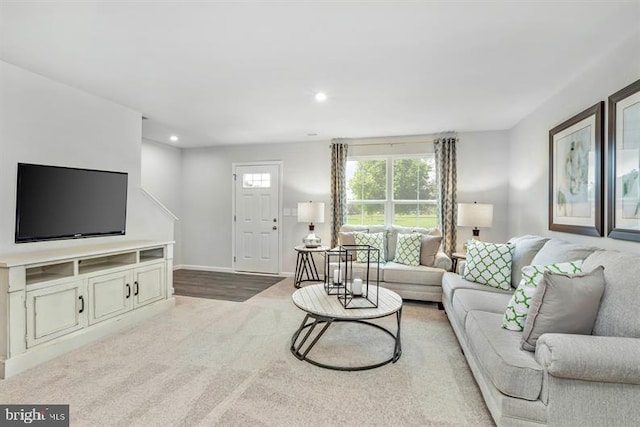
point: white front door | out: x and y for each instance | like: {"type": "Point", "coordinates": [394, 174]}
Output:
{"type": "Point", "coordinates": [257, 224]}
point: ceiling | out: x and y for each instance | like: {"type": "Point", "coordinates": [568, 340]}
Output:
{"type": "Point", "coordinates": [222, 73]}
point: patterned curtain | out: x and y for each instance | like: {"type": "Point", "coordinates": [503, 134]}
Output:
{"type": "Point", "coordinates": [446, 177]}
{"type": "Point", "coordinates": [338, 189]}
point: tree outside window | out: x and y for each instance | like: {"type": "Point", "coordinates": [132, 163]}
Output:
{"type": "Point", "coordinates": [394, 190]}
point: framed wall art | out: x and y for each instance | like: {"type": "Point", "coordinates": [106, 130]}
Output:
{"type": "Point", "coordinates": [575, 174]}
{"type": "Point", "coordinates": [624, 163]}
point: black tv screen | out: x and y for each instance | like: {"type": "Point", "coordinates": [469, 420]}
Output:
{"type": "Point", "coordinates": [66, 203]}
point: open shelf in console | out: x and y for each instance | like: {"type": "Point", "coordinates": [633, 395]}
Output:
{"type": "Point", "coordinates": [47, 272]}
{"type": "Point", "coordinates": [90, 265]}
{"type": "Point", "coordinates": [151, 254]}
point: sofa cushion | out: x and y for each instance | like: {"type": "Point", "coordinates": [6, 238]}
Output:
{"type": "Point", "coordinates": [466, 300]}
{"type": "Point", "coordinates": [394, 230]}
{"type": "Point", "coordinates": [359, 269]}
{"type": "Point", "coordinates": [452, 282]}
{"type": "Point", "coordinates": [489, 264]}
{"type": "Point", "coordinates": [618, 312]}
{"type": "Point", "coordinates": [526, 247]}
{"type": "Point", "coordinates": [517, 310]}
{"type": "Point", "coordinates": [556, 250]}
{"type": "Point", "coordinates": [408, 249]}
{"type": "Point", "coordinates": [418, 275]}
{"type": "Point", "coordinates": [564, 304]}
{"type": "Point", "coordinates": [429, 246]}
{"type": "Point", "coordinates": [513, 371]}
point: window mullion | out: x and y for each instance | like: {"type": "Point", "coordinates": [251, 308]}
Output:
{"type": "Point", "coordinates": [389, 208]}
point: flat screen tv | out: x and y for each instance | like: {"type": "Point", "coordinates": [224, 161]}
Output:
{"type": "Point", "coordinates": [67, 203]}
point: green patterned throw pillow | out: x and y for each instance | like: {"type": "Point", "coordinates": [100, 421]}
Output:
{"type": "Point", "coordinates": [375, 240]}
{"type": "Point", "coordinates": [408, 249]}
{"type": "Point", "coordinates": [489, 264]}
{"type": "Point", "coordinates": [518, 308]}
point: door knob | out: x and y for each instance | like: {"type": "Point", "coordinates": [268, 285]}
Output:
{"type": "Point", "coordinates": [274, 228]}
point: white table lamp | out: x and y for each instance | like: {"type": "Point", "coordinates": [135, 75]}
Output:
{"type": "Point", "coordinates": [311, 212]}
{"type": "Point", "coordinates": [475, 215]}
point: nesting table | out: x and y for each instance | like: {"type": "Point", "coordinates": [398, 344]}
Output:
{"type": "Point", "coordinates": [322, 310]}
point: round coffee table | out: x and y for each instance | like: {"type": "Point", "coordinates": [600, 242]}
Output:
{"type": "Point", "coordinates": [326, 309]}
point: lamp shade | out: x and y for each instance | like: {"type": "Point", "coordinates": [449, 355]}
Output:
{"type": "Point", "coordinates": [311, 212]}
{"type": "Point", "coordinates": [475, 214]}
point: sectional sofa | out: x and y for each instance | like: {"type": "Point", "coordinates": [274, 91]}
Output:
{"type": "Point", "coordinates": [570, 380]}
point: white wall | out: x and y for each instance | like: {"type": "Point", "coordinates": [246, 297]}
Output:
{"type": "Point", "coordinates": [161, 176]}
{"type": "Point", "coordinates": [529, 139]}
{"type": "Point", "coordinates": [207, 190]}
{"type": "Point", "coordinates": [207, 197]}
{"type": "Point", "coordinates": [42, 121]}
{"type": "Point", "coordinates": [483, 177]}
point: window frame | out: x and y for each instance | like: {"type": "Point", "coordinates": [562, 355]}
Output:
{"type": "Point", "coordinates": [389, 202]}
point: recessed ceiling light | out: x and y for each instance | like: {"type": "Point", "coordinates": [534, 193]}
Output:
{"type": "Point", "coordinates": [173, 138]}
{"type": "Point", "coordinates": [312, 134]}
{"type": "Point", "coordinates": [321, 97]}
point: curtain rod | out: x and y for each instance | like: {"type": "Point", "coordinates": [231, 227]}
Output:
{"type": "Point", "coordinates": [391, 144]}
{"type": "Point", "coordinates": [396, 140]}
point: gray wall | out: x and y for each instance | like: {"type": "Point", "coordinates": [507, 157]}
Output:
{"type": "Point", "coordinates": [207, 197]}
{"type": "Point", "coordinates": [161, 176]}
{"type": "Point", "coordinates": [529, 141]}
{"type": "Point", "coordinates": [46, 122]}
{"type": "Point", "coordinates": [207, 190]}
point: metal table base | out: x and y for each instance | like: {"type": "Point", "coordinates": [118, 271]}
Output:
{"type": "Point", "coordinates": [316, 320]}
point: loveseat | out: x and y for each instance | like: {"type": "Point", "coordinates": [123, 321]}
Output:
{"type": "Point", "coordinates": [421, 282]}
{"type": "Point", "coordinates": [570, 379]}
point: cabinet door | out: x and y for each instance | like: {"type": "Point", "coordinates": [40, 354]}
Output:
{"type": "Point", "coordinates": [149, 284]}
{"type": "Point", "coordinates": [55, 311]}
{"type": "Point", "coordinates": [109, 296]}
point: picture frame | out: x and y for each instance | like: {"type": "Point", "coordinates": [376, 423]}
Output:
{"type": "Point", "coordinates": [624, 164]}
{"type": "Point", "coordinates": [576, 165]}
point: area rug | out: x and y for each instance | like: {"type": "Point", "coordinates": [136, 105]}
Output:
{"type": "Point", "coordinates": [222, 363]}
{"type": "Point", "coordinates": [220, 285]}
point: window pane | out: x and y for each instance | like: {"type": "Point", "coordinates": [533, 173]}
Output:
{"type": "Point", "coordinates": [366, 179]}
{"type": "Point", "coordinates": [414, 179]}
{"type": "Point", "coordinates": [365, 214]}
{"type": "Point", "coordinates": [256, 180]}
{"type": "Point", "coordinates": [415, 215]}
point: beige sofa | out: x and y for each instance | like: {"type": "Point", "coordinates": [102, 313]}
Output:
{"type": "Point", "coordinates": [570, 380]}
{"type": "Point", "coordinates": [422, 283]}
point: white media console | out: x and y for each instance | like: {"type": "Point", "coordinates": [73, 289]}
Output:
{"type": "Point", "coordinates": [57, 300]}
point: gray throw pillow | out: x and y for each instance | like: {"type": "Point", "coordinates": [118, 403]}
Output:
{"type": "Point", "coordinates": [526, 247]}
{"type": "Point", "coordinates": [556, 250]}
{"type": "Point", "coordinates": [563, 304]}
{"type": "Point", "coordinates": [428, 249]}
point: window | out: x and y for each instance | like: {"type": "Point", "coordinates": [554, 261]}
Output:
{"type": "Point", "coordinates": [256, 180]}
{"type": "Point", "coordinates": [392, 190]}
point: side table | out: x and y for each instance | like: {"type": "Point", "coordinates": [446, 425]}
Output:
{"type": "Point", "coordinates": [455, 257]}
{"type": "Point", "coordinates": [306, 266]}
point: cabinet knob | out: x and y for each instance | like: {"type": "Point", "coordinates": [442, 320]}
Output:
{"type": "Point", "coordinates": [136, 288]}
{"type": "Point", "coordinates": [128, 290]}
{"type": "Point", "coordinates": [81, 298]}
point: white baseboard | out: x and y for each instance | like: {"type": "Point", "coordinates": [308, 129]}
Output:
{"type": "Point", "coordinates": [202, 268]}
{"type": "Point", "coordinates": [224, 270]}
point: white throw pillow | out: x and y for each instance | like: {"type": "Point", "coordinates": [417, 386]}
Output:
{"type": "Point", "coordinates": [518, 308]}
{"type": "Point", "coordinates": [489, 264]}
{"type": "Point", "coordinates": [375, 240]}
{"type": "Point", "coordinates": [408, 249]}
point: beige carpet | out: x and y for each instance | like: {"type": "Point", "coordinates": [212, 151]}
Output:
{"type": "Point", "coordinates": [222, 363]}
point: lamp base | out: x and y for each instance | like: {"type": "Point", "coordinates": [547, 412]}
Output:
{"type": "Point", "coordinates": [312, 241]}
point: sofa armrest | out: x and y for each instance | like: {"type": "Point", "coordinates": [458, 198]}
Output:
{"type": "Point", "coordinates": [443, 261]}
{"type": "Point", "coordinates": [590, 358]}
